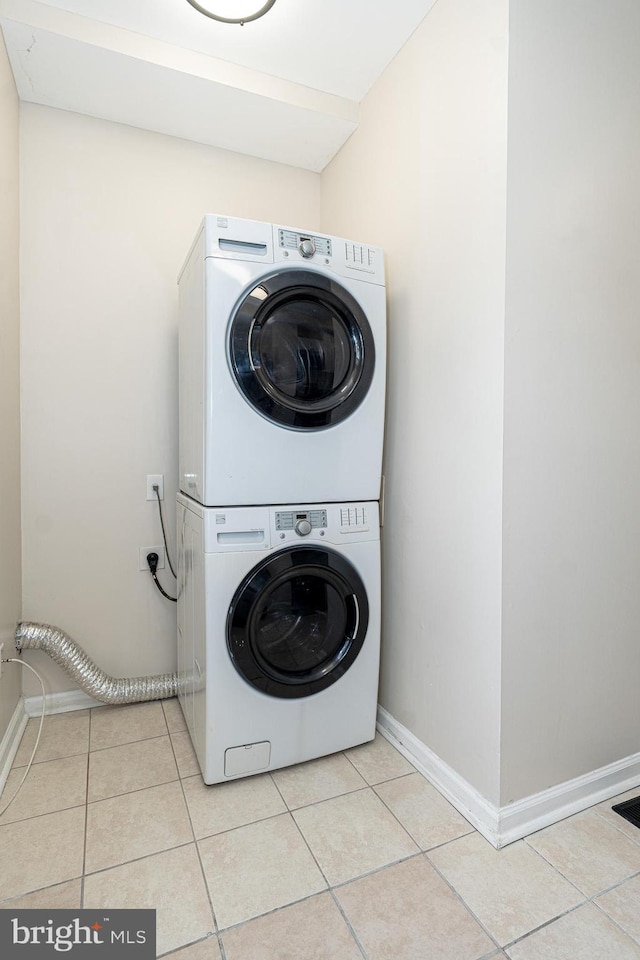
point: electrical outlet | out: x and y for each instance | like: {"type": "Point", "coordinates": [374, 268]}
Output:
{"type": "Point", "coordinates": [143, 557]}
{"type": "Point", "coordinates": [155, 479]}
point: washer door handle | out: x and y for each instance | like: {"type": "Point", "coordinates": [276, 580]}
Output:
{"type": "Point", "coordinates": [357, 609]}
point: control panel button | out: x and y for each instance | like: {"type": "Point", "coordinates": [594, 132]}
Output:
{"type": "Point", "coordinates": [303, 528]}
{"type": "Point", "coordinates": [307, 248]}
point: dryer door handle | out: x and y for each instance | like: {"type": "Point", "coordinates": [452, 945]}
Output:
{"type": "Point", "coordinates": [356, 605]}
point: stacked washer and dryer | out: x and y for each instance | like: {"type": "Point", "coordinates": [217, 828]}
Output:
{"type": "Point", "coordinates": [282, 384]}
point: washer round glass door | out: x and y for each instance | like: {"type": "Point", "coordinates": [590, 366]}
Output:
{"type": "Point", "coordinates": [302, 350]}
{"type": "Point", "coordinates": [297, 621]}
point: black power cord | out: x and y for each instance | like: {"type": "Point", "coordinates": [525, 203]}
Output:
{"type": "Point", "coordinates": [164, 535]}
{"type": "Point", "coordinates": [152, 560]}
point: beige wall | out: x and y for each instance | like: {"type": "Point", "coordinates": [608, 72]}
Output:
{"type": "Point", "coordinates": [109, 212]}
{"type": "Point", "coordinates": [571, 655]}
{"type": "Point", "coordinates": [10, 585]}
{"type": "Point", "coordinates": [511, 606]}
{"type": "Point", "coordinates": [425, 177]}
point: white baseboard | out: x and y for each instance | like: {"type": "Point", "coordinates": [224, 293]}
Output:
{"type": "Point", "coordinates": [11, 741]}
{"type": "Point", "coordinates": [503, 825]}
{"type": "Point", "coordinates": [60, 703]}
{"type": "Point", "coordinates": [525, 816]}
{"type": "Point", "coordinates": [465, 798]}
{"type": "Point", "coordinates": [27, 707]}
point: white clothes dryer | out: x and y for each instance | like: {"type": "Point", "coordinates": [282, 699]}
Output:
{"type": "Point", "coordinates": [282, 366]}
{"type": "Point", "coordinates": [278, 632]}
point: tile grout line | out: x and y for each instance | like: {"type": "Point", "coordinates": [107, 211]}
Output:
{"type": "Point", "coordinates": [547, 923]}
{"type": "Point", "coordinates": [177, 846]}
{"type": "Point", "coordinates": [586, 900]}
{"type": "Point", "coordinates": [525, 840]}
{"type": "Point", "coordinates": [436, 846]}
{"type": "Point", "coordinates": [585, 896]}
{"type": "Point", "coordinates": [145, 856]}
{"type": "Point", "coordinates": [314, 803]}
{"type": "Point", "coordinates": [216, 928]}
{"type": "Point", "coordinates": [424, 854]}
{"type": "Point", "coordinates": [344, 916]}
{"type": "Point", "coordinates": [322, 874]}
{"type": "Point", "coordinates": [331, 886]}
{"type": "Point", "coordinates": [86, 813]}
{"type": "Point", "coordinates": [613, 920]}
{"type": "Point", "coordinates": [614, 886]}
{"type": "Point", "coordinates": [31, 725]}
{"type": "Point", "coordinates": [460, 898]}
{"type": "Point", "coordinates": [384, 779]}
{"type": "Point", "coordinates": [304, 839]}
{"type": "Point", "coordinates": [47, 813]}
{"type": "Point", "coordinates": [596, 810]}
{"type": "Point", "coordinates": [63, 810]}
{"type": "Point", "coordinates": [186, 946]}
{"type": "Point", "coordinates": [129, 743]}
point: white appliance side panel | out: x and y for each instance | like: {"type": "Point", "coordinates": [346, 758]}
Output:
{"type": "Point", "coordinates": [185, 691]}
{"type": "Point", "coordinates": [192, 381]}
{"type": "Point", "coordinates": [185, 594]}
{"type": "Point", "coordinates": [191, 630]}
{"type": "Point", "coordinates": [200, 691]}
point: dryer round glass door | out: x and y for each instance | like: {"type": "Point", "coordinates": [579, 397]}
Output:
{"type": "Point", "coordinates": [297, 622]}
{"type": "Point", "coordinates": [302, 350]}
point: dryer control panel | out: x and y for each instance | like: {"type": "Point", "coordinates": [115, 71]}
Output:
{"type": "Point", "coordinates": [348, 258]}
{"type": "Point", "coordinates": [306, 243]}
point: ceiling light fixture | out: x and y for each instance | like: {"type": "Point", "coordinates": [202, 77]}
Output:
{"type": "Point", "coordinates": [231, 6]}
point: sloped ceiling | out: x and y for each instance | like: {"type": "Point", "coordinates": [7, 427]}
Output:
{"type": "Point", "coordinates": [286, 87]}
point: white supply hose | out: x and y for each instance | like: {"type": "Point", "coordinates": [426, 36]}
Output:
{"type": "Point", "coordinates": [35, 747]}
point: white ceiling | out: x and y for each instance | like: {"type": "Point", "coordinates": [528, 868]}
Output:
{"type": "Point", "coordinates": [285, 87]}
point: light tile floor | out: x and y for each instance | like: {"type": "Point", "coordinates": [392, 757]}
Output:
{"type": "Point", "coordinates": [348, 857]}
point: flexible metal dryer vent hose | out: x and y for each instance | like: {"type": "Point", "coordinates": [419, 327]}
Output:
{"type": "Point", "coordinates": [83, 671]}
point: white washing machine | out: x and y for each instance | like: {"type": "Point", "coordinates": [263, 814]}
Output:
{"type": "Point", "coordinates": [282, 366]}
{"type": "Point", "coordinates": [278, 632]}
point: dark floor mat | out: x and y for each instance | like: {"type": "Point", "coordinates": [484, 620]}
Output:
{"type": "Point", "coordinates": [630, 810]}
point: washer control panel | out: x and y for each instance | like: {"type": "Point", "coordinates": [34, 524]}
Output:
{"type": "Point", "coordinates": [306, 244]}
{"type": "Point", "coordinates": [301, 522]}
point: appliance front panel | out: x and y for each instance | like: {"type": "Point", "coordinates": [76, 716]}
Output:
{"type": "Point", "coordinates": [287, 405]}
{"type": "Point", "coordinates": [297, 729]}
